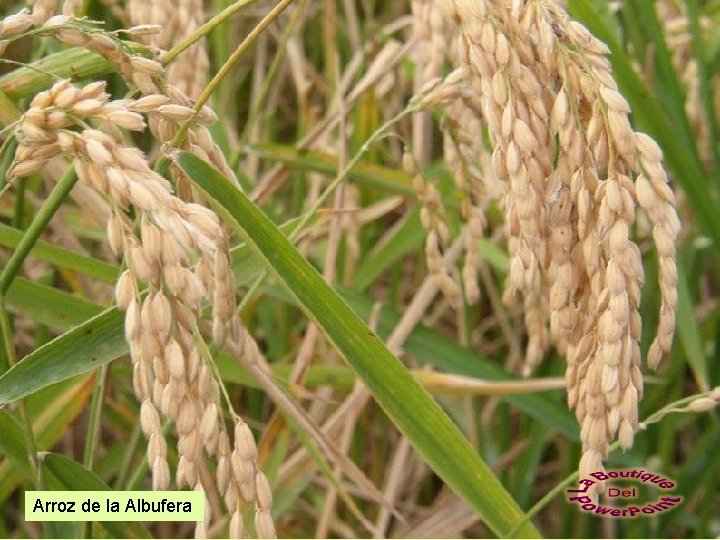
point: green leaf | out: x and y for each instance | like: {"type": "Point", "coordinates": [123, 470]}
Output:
{"type": "Point", "coordinates": [75, 477]}
{"type": "Point", "coordinates": [688, 330]}
{"type": "Point", "coordinates": [96, 342]}
{"type": "Point", "coordinates": [49, 306]}
{"type": "Point", "coordinates": [10, 237]}
{"type": "Point", "coordinates": [410, 407]}
{"type": "Point", "coordinates": [408, 237]}
{"type": "Point", "coordinates": [12, 444]}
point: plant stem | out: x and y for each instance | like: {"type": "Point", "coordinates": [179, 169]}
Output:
{"type": "Point", "coordinates": [19, 210]}
{"type": "Point", "coordinates": [7, 160]}
{"type": "Point", "coordinates": [128, 457]}
{"type": "Point", "coordinates": [9, 360]}
{"type": "Point", "coordinates": [204, 30]}
{"type": "Point", "coordinates": [93, 429]}
{"type": "Point", "coordinates": [230, 64]}
{"type": "Point", "coordinates": [38, 224]}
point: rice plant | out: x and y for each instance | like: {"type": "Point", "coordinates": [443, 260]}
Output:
{"type": "Point", "coordinates": [362, 269]}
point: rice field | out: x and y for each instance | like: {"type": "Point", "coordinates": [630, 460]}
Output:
{"type": "Point", "coordinates": [424, 269]}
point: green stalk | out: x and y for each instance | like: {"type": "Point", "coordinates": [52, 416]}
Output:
{"type": "Point", "coordinates": [7, 160]}
{"type": "Point", "coordinates": [272, 71]}
{"type": "Point", "coordinates": [93, 431]}
{"type": "Point", "coordinates": [128, 457]}
{"type": "Point", "coordinates": [9, 360]}
{"type": "Point", "coordinates": [93, 428]}
{"type": "Point", "coordinates": [231, 63]}
{"type": "Point", "coordinates": [221, 39]}
{"type": "Point", "coordinates": [37, 226]}
{"type": "Point", "coordinates": [19, 209]}
{"type": "Point", "coordinates": [204, 30]}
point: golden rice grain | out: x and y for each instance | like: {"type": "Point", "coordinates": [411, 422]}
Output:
{"type": "Point", "coordinates": [541, 77]}
{"type": "Point", "coordinates": [160, 326]}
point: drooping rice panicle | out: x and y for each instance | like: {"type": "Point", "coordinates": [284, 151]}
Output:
{"type": "Point", "coordinates": [575, 172]}
{"type": "Point", "coordinates": [181, 253]}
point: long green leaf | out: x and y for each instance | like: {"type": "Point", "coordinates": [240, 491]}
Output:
{"type": "Point", "coordinates": [96, 342]}
{"type": "Point", "coordinates": [410, 407]}
{"type": "Point", "coordinates": [64, 258]}
{"type": "Point", "coordinates": [52, 307]}
{"type": "Point", "coordinates": [689, 332]}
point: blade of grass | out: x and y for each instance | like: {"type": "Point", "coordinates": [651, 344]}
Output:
{"type": "Point", "coordinates": [49, 306]}
{"type": "Point", "coordinates": [91, 267]}
{"type": "Point", "coordinates": [411, 408]}
{"type": "Point", "coordinates": [36, 227]}
{"type": "Point", "coordinates": [688, 330]}
{"type": "Point", "coordinates": [92, 344]}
